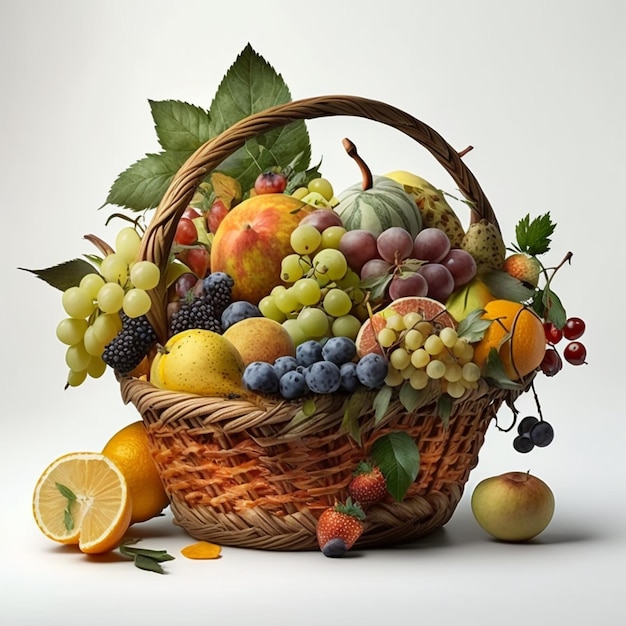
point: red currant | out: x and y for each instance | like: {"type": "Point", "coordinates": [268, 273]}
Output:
{"type": "Point", "coordinates": [553, 333]}
{"type": "Point", "coordinates": [552, 362]}
{"type": "Point", "coordinates": [575, 353]}
{"type": "Point", "coordinates": [270, 182]}
{"type": "Point", "coordinates": [574, 328]}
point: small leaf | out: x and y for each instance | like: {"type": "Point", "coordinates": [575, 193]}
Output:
{"type": "Point", "coordinates": [66, 492]}
{"type": "Point", "coordinates": [502, 285]}
{"type": "Point", "coordinates": [444, 408]}
{"type": "Point", "coordinates": [377, 286]}
{"type": "Point", "coordinates": [352, 412]}
{"type": "Point", "coordinates": [180, 127]}
{"type": "Point", "coordinates": [397, 456]}
{"type": "Point", "coordinates": [411, 398]}
{"type": "Point", "coordinates": [472, 328]}
{"type": "Point", "coordinates": [553, 308]}
{"type": "Point", "coordinates": [533, 237]}
{"type": "Point", "coordinates": [64, 275]}
{"type": "Point", "coordinates": [148, 564]}
{"type": "Point", "coordinates": [381, 402]}
{"type": "Point", "coordinates": [226, 188]}
{"type": "Point", "coordinates": [494, 371]}
{"type": "Point", "coordinates": [68, 518]}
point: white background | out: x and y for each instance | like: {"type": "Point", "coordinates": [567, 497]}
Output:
{"type": "Point", "coordinates": [537, 88]}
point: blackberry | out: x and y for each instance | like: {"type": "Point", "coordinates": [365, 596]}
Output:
{"type": "Point", "coordinates": [128, 348]}
{"type": "Point", "coordinates": [196, 313]}
{"type": "Point", "coordinates": [219, 286]}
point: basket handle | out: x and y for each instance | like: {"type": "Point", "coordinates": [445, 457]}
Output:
{"type": "Point", "coordinates": [159, 236]}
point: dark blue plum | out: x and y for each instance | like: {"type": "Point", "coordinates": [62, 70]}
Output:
{"type": "Point", "coordinates": [323, 377]}
{"type": "Point", "coordinates": [349, 380]}
{"type": "Point", "coordinates": [261, 377]}
{"type": "Point", "coordinates": [339, 350]}
{"type": "Point", "coordinates": [309, 352]}
{"type": "Point", "coordinates": [334, 548]}
{"type": "Point", "coordinates": [292, 385]}
{"type": "Point", "coordinates": [284, 364]}
{"type": "Point", "coordinates": [237, 311]}
{"type": "Point", "coordinates": [371, 370]}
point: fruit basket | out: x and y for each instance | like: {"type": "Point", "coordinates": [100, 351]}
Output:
{"type": "Point", "coordinates": [245, 471]}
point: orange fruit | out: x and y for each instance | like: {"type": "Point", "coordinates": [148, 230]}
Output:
{"type": "Point", "coordinates": [130, 451]}
{"type": "Point", "coordinates": [430, 309]}
{"type": "Point", "coordinates": [517, 333]}
{"type": "Point", "coordinates": [82, 498]}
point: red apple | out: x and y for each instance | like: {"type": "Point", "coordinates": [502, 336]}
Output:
{"type": "Point", "coordinates": [252, 241]}
{"type": "Point", "coordinates": [514, 507]}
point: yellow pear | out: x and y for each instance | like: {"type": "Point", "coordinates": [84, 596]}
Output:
{"type": "Point", "coordinates": [199, 361]}
{"type": "Point", "coordinates": [472, 296]}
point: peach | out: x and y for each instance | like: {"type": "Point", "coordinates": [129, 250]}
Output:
{"type": "Point", "coordinates": [260, 339]}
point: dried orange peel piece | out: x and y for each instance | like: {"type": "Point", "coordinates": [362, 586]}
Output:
{"type": "Point", "coordinates": [202, 550]}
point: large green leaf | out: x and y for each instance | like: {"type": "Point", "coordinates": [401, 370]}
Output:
{"type": "Point", "coordinates": [250, 86]}
{"type": "Point", "coordinates": [143, 184]}
{"type": "Point", "coordinates": [180, 127]}
{"type": "Point", "coordinates": [64, 275]}
{"type": "Point", "coordinates": [398, 458]}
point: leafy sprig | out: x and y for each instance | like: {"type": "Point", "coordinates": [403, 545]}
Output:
{"type": "Point", "coordinates": [145, 559]}
{"type": "Point", "coordinates": [533, 236]}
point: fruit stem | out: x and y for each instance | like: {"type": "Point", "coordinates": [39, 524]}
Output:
{"type": "Point", "coordinates": [462, 153]}
{"type": "Point", "coordinates": [532, 386]}
{"type": "Point", "coordinates": [102, 245]}
{"type": "Point", "coordinates": [366, 173]}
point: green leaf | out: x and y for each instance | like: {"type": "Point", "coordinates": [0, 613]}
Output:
{"type": "Point", "coordinates": [68, 518]}
{"type": "Point", "coordinates": [494, 371]}
{"type": "Point", "coordinates": [381, 402]}
{"type": "Point", "coordinates": [142, 185]}
{"type": "Point", "coordinates": [533, 237]}
{"type": "Point", "coordinates": [250, 86]}
{"type": "Point", "coordinates": [148, 564]}
{"type": "Point", "coordinates": [398, 458]}
{"type": "Point", "coordinates": [180, 127]}
{"type": "Point", "coordinates": [472, 328]}
{"type": "Point", "coordinates": [410, 398]}
{"type": "Point", "coordinates": [376, 285]}
{"type": "Point", "coordinates": [444, 408]}
{"type": "Point", "coordinates": [553, 308]}
{"type": "Point", "coordinates": [506, 287]}
{"type": "Point", "coordinates": [65, 275]}
{"type": "Point", "coordinates": [352, 412]}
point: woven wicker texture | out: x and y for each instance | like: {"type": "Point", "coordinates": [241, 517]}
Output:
{"type": "Point", "coordinates": [248, 475]}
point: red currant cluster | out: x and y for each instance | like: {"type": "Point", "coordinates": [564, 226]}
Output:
{"type": "Point", "coordinates": [574, 352]}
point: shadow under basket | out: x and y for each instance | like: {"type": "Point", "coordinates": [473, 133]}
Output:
{"type": "Point", "coordinates": [246, 474]}
{"type": "Point", "coordinates": [242, 475]}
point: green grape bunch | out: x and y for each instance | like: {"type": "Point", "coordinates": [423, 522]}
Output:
{"type": "Point", "coordinates": [95, 306]}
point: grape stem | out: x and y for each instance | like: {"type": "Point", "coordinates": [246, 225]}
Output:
{"type": "Point", "coordinates": [366, 173]}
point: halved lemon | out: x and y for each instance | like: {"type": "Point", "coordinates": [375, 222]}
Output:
{"type": "Point", "coordinates": [82, 498]}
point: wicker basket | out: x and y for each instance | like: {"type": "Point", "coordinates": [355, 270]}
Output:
{"type": "Point", "coordinates": [243, 474]}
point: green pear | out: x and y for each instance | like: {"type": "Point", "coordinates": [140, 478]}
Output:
{"type": "Point", "coordinates": [468, 298]}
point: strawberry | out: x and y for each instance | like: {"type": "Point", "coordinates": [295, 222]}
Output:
{"type": "Point", "coordinates": [338, 528]}
{"type": "Point", "coordinates": [368, 485]}
{"type": "Point", "coordinates": [524, 267]}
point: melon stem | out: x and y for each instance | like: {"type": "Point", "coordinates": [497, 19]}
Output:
{"type": "Point", "coordinates": [366, 173]}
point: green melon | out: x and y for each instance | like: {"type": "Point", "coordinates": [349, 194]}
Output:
{"type": "Point", "coordinates": [376, 209]}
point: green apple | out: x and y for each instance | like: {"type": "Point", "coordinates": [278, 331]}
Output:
{"type": "Point", "coordinates": [472, 296]}
{"type": "Point", "coordinates": [514, 507]}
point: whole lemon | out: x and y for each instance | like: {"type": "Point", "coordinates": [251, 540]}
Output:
{"type": "Point", "coordinates": [199, 361]}
{"type": "Point", "coordinates": [129, 450]}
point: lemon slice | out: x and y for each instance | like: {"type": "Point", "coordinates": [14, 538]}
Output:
{"type": "Point", "coordinates": [82, 498]}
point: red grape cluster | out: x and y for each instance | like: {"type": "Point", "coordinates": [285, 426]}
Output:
{"type": "Point", "coordinates": [574, 352]}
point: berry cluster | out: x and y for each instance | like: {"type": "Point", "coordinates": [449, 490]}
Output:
{"type": "Point", "coordinates": [317, 368]}
{"type": "Point", "coordinates": [532, 432]}
{"type": "Point", "coordinates": [128, 348]}
{"type": "Point", "coordinates": [574, 352]}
